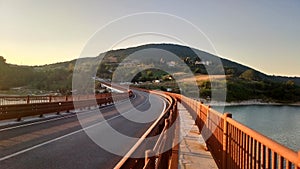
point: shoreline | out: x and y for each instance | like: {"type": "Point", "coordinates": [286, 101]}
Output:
{"type": "Point", "coordinates": [250, 103]}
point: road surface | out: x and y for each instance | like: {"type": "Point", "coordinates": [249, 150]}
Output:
{"type": "Point", "coordinates": [61, 143]}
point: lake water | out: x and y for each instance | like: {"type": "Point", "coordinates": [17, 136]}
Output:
{"type": "Point", "coordinates": [280, 123]}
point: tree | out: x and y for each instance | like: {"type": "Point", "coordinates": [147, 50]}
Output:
{"type": "Point", "coordinates": [229, 71]}
{"type": "Point", "coordinates": [2, 60]}
{"type": "Point", "coordinates": [290, 83]}
{"type": "Point", "coordinates": [71, 67]}
{"type": "Point", "coordinates": [149, 73]}
{"type": "Point", "coordinates": [248, 75]}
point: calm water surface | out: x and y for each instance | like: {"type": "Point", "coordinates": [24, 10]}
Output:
{"type": "Point", "coordinates": [280, 123]}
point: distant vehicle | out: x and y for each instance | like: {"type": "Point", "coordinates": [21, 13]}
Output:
{"type": "Point", "coordinates": [130, 93]}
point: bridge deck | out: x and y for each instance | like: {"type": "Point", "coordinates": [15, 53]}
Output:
{"type": "Point", "coordinates": [192, 151]}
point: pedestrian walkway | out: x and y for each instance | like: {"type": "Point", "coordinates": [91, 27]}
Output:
{"type": "Point", "coordinates": [192, 148]}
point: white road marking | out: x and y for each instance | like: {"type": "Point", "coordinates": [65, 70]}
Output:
{"type": "Point", "coordinates": [70, 134]}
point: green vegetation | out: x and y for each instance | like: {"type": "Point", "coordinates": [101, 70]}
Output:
{"type": "Point", "coordinates": [249, 75]}
{"type": "Point", "coordinates": [240, 89]}
{"type": "Point", "coordinates": [41, 78]}
{"type": "Point", "coordinates": [149, 75]}
{"type": "Point", "coordinates": [14, 76]}
{"type": "Point", "coordinates": [243, 83]}
{"type": "Point", "coordinates": [247, 86]}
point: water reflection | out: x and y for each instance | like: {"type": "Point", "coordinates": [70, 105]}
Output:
{"type": "Point", "coordinates": [280, 123]}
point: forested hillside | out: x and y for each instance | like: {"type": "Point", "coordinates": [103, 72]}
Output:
{"type": "Point", "coordinates": [56, 78]}
{"type": "Point", "coordinates": [243, 83]}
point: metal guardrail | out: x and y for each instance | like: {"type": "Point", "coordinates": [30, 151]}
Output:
{"type": "Point", "coordinates": [153, 159]}
{"type": "Point", "coordinates": [11, 100]}
{"type": "Point", "coordinates": [18, 111]}
{"type": "Point", "coordinates": [233, 145]}
{"type": "Point", "coordinates": [164, 141]}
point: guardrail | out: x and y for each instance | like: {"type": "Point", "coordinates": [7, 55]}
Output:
{"type": "Point", "coordinates": [153, 159]}
{"type": "Point", "coordinates": [9, 100]}
{"type": "Point", "coordinates": [233, 145]}
{"type": "Point", "coordinates": [165, 140]}
{"type": "Point", "coordinates": [18, 111]}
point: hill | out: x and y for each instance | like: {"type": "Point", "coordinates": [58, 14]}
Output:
{"type": "Point", "coordinates": [190, 55]}
{"type": "Point", "coordinates": [243, 82]}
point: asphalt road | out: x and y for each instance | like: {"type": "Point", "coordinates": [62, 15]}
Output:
{"type": "Point", "coordinates": [62, 142]}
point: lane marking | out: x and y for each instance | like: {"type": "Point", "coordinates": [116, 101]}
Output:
{"type": "Point", "coordinates": [44, 132]}
{"type": "Point", "coordinates": [70, 134]}
{"type": "Point", "coordinates": [51, 130]}
{"type": "Point", "coordinates": [55, 139]}
{"type": "Point", "coordinates": [47, 131]}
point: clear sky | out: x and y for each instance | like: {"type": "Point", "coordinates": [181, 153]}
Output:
{"type": "Point", "coordinates": [262, 34]}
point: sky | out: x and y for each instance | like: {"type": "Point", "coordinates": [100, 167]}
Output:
{"type": "Point", "coordinates": [261, 34]}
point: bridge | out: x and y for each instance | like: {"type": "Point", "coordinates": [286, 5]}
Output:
{"type": "Point", "coordinates": [49, 134]}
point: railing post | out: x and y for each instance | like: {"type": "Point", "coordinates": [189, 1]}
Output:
{"type": "Point", "coordinates": [149, 156]}
{"type": "Point", "coordinates": [208, 125]}
{"type": "Point", "coordinates": [167, 123]}
{"type": "Point", "coordinates": [50, 99]}
{"type": "Point", "coordinates": [28, 99]}
{"type": "Point", "coordinates": [298, 167]}
{"type": "Point", "coordinates": [225, 140]}
{"type": "Point", "coordinates": [201, 123]}
{"type": "Point", "coordinates": [171, 117]}
{"type": "Point", "coordinates": [19, 118]}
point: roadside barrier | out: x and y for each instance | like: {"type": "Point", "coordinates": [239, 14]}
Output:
{"type": "Point", "coordinates": [234, 145]}
{"type": "Point", "coordinates": [156, 152]}
{"type": "Point", "coordinates": [52, 105]}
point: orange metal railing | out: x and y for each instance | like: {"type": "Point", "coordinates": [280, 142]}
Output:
{"type": "Point", "coordinates": [38, 105]}
{"type": "Point", "coordinates": [11, 100]}
{"type": "Point", "coordinates": [233, 145]}
{"type": "Point", "coordinates": [155, 156]}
